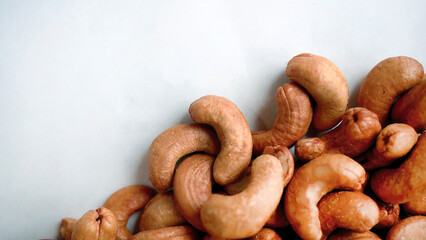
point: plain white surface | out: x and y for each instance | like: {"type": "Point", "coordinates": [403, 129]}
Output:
{"type": "Point", "coordinates": [85, 86]}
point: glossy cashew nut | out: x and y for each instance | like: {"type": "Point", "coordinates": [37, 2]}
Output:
{"type": "Point", "coordinates": [324, 81]}
{"type": "Point", "coordinates": [409, 228]}
{"type": "Point", "coordinates": [184, 232]}
{"type": "Point", "coordinates": [403, 184]}
{"type": "Point", "coordinates": [174, 143]}
{"type": "Point", "coordinates": [244, 214]}
{"type": "Point", "coordinates": [311, 182]}
{"type": "Point", "coordinates": [67, 225]}
{"type": "Point", "coordinates": [160, 212]}
{"type": "Point", "coordinates": [124, 202]}
{"type": "Point", "coordinates": [344, 234]}
{"type": "Point", "coordinates": [386, 81]}
{"type": "Point", "coordinates": [192, 186]}
{"type": "Point", "coordinates": [233, 132]}
{"type": "Point", "coordinates": [292, 122]}
{"type": "Point", "coordinates": [96, 225]}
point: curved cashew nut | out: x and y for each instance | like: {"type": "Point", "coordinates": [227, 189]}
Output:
{"type": "Point", "coordinates": [393, 142]}
{"type": "Point", "coordinates": [325, 83]}
{"type": "Point", "coordinates": [312, 181]}
{"type": "Point", "coordinates": [416, 206]}
{"type": "Point", "coordinates": [346, 209]}
{"type": "Point", "coordinates": [344, 234]}
{"type": "Point", "coordinates": [409, 228]}
{"type": "Point", "coordinates": [403, 184]}
{"type": "Point", "coordinates": [244, 214]}
{"type": "Point", "coordinates": [388, 79]}
{"type": "Point", "coordinates": [388, 214]}
{"type": "Point", "coordinates": [174, 143]}
{"type": "Point", "coordinates": [410, 108]}
{"type": "Point", "coordinates": [184, 232]}
{"type": "Point", "coordinates": [67, 225]}
{"type": "Point", "coordinates": [160, 212]}
{"type": "Point", "coordinates": [100, 225]}
{"type": "Point", "coordinates": [192, 186]}
{"type": "Point", "coordinates": [292, 122]}
{"type": "Point", "coordinates": [124, 202]}
{"type": "Point", "coordinates": [233, 132]}
{"type": "Point", "coordinates": [356, 133]}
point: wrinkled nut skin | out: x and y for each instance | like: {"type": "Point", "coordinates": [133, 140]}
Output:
{"type": "Point", "coordinates": [184, 232]}
{"type": "Point", "coordinates": [266, 234]}
{"type": "Point", "coordinates": [410, 108]}
{"type": "Point", "coordinates": [386, 81]}
{"type": "Point", "coordinates": [192, 186]}
{"type": "Point", "coordinates": [403, 184]}
{"type": "Point", "coordinates": [343, 234]}
{"type": "Point", "coordinates": [349, 210]}
{"type": "Point", "coordinates": [324, 81]}
{"type": "Point", "coordinates": [124, 202]}
{"type": "Point", "coordinates": [293, 119]}
{"type": "Point", "coordinates": [393, 142]}
{"type": "Point", "coordinates": [388, 215]}
{"type": "Point", "coordinates": [174, 143]}
{"type": "Point", "coordinates": [160, 212]}
{"type": "Point", "coordinates": [311, 182]}
{"type": "Point", "coordinates": [233, 132]}
{"type": "Point", "coordinates": [96, 225]}
{"type": "Point", "coordinates": [66, 228]}
{"type": "Point", "coordinates": [416, 206]}
{"type": "Point", "coordinates": [409, 228]}
{"type": "Point", "coordinates": [356, 133]}
{"type": "Point", "coordinates": [244, 214]}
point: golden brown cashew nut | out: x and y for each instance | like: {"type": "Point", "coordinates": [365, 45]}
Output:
{"type": "Point", "coordinates": [349, 210]}
{"type": "Point", "coordinates": [388, 214]}
{"type": "Point", "coordinates": [124, 202]}
{"type": "Point", "coordinates": [356, 133]}
{"type": "Point", "coordinates": [388, 79]}
{"type": "Point", "coordinates": [67, 225]}
{"type": "Point", "coordinates": [324, 81]}
{"type": "Point", "coordinates": [311, 182]}
{"type": "Point", "coordinates": [233, 132]}
{"type": "Point", "coordinates": [174, 143]}
{"type": "Point", "coordinates": [184, 232]}
{"type": "Point", "coordinates": [192, 186]}
{"type": "Point", "coordinates": [244, 214]}
{"type": "Point", "coordinates": [410, 108]}
{"type": "Point", "coordinates": [409, 228]}
{"type": "Point", "coordinates": [160, 212]}
{"type": "Point", "coordinates": [416, 206]}
{"type": "Point", "coordinates": [96, 225]}
{"type": "Point", "coordinates": [393, 142]}
{"type": "Point", "coordinates": [292, 122]}
{"type": "Point", "coordinates": [403, 184]}
{"type": "Point", "coordinates": [343, 234]}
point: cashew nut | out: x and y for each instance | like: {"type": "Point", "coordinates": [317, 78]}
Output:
{"type": "Point", "coordinates": [192, 186]}
{"type": "Point", "coordinates": [184, 232]}
{"type": "Point", "coordinates": [409, 228]}
{"type": "Point", "coordinates": [386, 81]}
{"type": "Point", "coordinates": [266, 234]}
{"type": "Point", "coordinates": [244, 214]}
{"type": "Point", "coordinates": [311, 182]}
{"type": "Point", "coordinates": [124, 202]}
{"type": "Point", "coordinates": [292, 122]}
{"type": "Point", "coordinates": [388, 214]}
{"type": "Point", "coordinates": [393, 142]}
{"type": "Point", "coordinates": [160, 212]}
{"type": "Point", "coordinates": [416, 206]}
{"type": "Point", "coordinates": [67, 225]}
{"type": "Point", "coordinates": [324, 81]}
{"type": "Point", "coordinates": [344, 234]}
{"type": "Point", "coordinates": [410, 108]}
{"type": "Point", "coordinates": [233, 132]}
{"type": "Point", "coordinates": [96, 225]}
{"type": "Point", "coordinates": [174, 143]}
{"type": "Point", "coordinates": [356, 133]}
{"type": "Point", "coordinates": [402, 184]}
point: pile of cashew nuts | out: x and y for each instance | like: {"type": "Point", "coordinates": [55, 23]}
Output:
{"type": "Point", "coordinates": [364, 177]}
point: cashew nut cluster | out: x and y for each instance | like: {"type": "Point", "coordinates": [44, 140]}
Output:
{"type": "Point", "coordinates": [218, 179]}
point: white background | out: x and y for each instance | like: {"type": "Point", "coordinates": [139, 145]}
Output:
{"type": "Point", "coordinates": [85, 86]}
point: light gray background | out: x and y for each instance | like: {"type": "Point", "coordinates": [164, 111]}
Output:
{"type": "Point", "coordinates": [85, 86]}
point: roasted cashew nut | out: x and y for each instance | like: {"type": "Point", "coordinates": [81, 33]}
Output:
{"type": "Point", "coordinates": [233, 132]}
{"type": "Point", "coordinates": [184, 232]}
{"type": "Point", "coordinates": [311, 182]}
{"type": "Point", "coordinates": [416, 206]}
{"type": "Point", "coordinates": [324, 81]}
{"type": "Point", "coordinates": [388, 214]}
{"type": "Point", "coordinates": [192, 186]}
{"type": "Point", "coordinates": [160, 212]}
{"type": "Point", "coordinates": [66, 228]}
{"type": "Point", "coordinates": [96, 225]}
{"type": "Point", "coordinates": [266, 234]}
{"type": "Point", "coordinates": [124, 202]}
{"type": "Point", "coordinates": [244, 214]}
{"type": "Point", "coordinates": [174, 143]}
{"type": "Point", "coordinates": [356, 133]}
{"type": "Point", "coordinates": [403, 184]}
{"type": "Point", "coordinates": [386, 81]}
{"type": "Point", "coordinates": [292, 122]}
{"type": "Point", "coordinates": [409, 228]}
{"type": "Point", "coordinates": [344, 234]}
